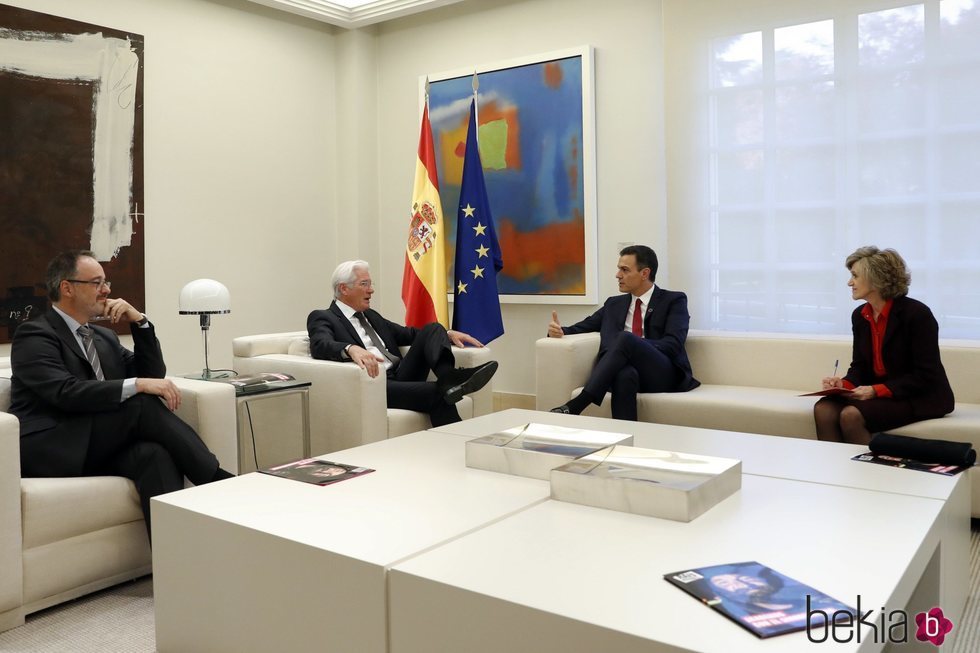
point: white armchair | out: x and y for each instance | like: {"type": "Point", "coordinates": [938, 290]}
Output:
{"type": "Point", "coordinates": [61, 538]}
{"type": "Point", "coordinates": [347, 407]}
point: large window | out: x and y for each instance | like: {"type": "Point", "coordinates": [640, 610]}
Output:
{"type": "Point", "coordinates": [859, 128]}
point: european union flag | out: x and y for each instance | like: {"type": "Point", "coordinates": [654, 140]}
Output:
{"type": "Point", "coordinates": [477, 306]}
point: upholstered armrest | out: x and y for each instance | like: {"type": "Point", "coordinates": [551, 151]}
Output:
{"type": "Point", "coordinates": [561, 365]}
{"type": "Point", "coordinates": [347, 407]}
{"type": "Point", "coordinates": [267, 343]}
{"type": "Point", "coordinates": [11, 558]}
{"type": "Point", "coordinates": [209, 408]}
{"type": "Point", "coordinates": [471, 357]}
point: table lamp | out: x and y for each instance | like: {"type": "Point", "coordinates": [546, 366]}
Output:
{"type": "Point", "coordinates": [205, 297]}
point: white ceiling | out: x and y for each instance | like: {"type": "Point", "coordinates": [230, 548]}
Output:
{"type": "Point", "coordinates": [354, 13]}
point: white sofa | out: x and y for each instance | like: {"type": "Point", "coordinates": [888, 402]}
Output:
{"type": "Point", "coordinates": [347, 407]}
{"type": "Point", "coordinates": [751, 383]}
{"type": "Point", "coordinates": [61, 538]}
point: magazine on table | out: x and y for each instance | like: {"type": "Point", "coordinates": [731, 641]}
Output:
{"type": "Point", "coordinates": [759, 598]}
{"type": "Point", "coordinates": [908, 463]}
{"type": "Point", "coordinates": [316, 471]}
{"type": "Point", "coordinates": [259, 382]}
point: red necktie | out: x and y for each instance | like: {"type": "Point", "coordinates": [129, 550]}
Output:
{"type": "Point", "coordinates": [638, 319]}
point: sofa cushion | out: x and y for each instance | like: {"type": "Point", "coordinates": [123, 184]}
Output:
{"type": "Point", "coordinates": [962, 425]}
{"type": "Point", "coordinates": [746, 409]}
{"type": "Point", "coordinates": [58, 508]}
{"type": "Point", "coordinates": [726, 407]}
{"type": "Point", "coordinates": [401, 422]}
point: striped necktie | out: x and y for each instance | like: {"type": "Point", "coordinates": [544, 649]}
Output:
{"type": "Point", "coordinates": [375, 338]}
{"type": "Point", "coordinates": [85, 332]}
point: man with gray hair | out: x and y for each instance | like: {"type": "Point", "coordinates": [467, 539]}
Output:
{"type": "Point", "coordinates": [349, 330]}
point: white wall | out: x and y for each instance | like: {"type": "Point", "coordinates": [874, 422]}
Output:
{"type": "Point", "coordinates": [257, 117]}
{"type": "Point", "coordinates": [240, 133]}
{"type": "Point", "coordinates": [626, 35]}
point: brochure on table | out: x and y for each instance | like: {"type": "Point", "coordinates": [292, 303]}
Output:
{"type": "Point", "coordinates": [759, 598]}
{"type": "Point", "coordinates": [908, 463]}
{"type": "Point", "coordinates": [318, 472]}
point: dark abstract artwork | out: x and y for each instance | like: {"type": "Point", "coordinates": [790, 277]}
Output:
{"type": "Point", "coordinates": [71, 156]}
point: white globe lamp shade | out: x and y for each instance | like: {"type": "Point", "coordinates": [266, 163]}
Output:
{"type": "Point", "coordinates": [204, 297]}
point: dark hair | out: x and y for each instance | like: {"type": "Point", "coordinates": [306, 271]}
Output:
{"type": "Point", "coordinates": [645, 258]}
{"type": "Point", "coordinates": [63, 266]}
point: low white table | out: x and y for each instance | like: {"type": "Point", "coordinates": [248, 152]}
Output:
{"type": "Point", "coordinates": [565, 577]}
{"type": "Point", "coordinates": [259, 563]}
{"type": "Point", "coordinates": [792, 459]}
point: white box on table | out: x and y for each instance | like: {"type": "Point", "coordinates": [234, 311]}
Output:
{"type": "Point", "coordinates": [678, 486]}
{"type": "Point", "coordinates": [533, 450]}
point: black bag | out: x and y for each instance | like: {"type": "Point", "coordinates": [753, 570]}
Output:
{"type": "Point", "coordinates": [941, 452]}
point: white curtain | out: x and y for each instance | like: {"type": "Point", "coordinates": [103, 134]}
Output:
{"type": "Point", "coordinates": [799, 130]}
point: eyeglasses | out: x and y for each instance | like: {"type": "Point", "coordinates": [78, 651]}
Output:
{"type": "Point", "coordinates": [98, 283]}
{"type": "Point", "coordinates": [364, 283]}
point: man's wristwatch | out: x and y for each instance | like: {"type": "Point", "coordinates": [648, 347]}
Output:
{"type": "Point", "coordinates": [143, 322]}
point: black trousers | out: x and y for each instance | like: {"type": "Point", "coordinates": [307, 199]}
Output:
{"type": "Point", "coordinates": [147, 443]}
{"type": "Point", "coordinates": [407, 386]}
{"type": "Point", "coordinates": [629, 366]}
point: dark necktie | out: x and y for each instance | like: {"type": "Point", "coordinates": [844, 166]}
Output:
{"type": "Point", "coordinates": [85, 332]}
{"type": "Point", "coordinates": [638, 319]}
{"type": "Point", "coordinates": [375, 338]}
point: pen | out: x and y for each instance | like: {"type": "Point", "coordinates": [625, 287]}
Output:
{"type": "Point", "coordinates": [836, 363]}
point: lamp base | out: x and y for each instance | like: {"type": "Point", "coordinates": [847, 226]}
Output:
{"type": "Point", "coordinates": [209, 375]}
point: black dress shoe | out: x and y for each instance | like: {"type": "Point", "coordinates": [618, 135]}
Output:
{"type": "Point", "coordinates": [563, 409]}
{"type": "Point", "coordinates": [466, 380]}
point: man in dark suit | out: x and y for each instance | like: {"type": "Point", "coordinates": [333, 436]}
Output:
{"type": "Point", "coordinates": [642, 334]}
{"type": "Point", "coordinates": [89, 407]}
{"type": "Point", "coordinates": [349, 330]}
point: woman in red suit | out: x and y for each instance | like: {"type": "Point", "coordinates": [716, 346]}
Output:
{"type": "Point", "coordinates": [896, 376]}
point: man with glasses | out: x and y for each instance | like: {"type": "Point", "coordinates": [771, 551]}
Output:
{"type": "Point", "coordinates": [89, 407]}
{"type": "Point", "coordinates": [349, 330]}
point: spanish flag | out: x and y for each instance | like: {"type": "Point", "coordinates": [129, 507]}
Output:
{"type": "Point", "coordinates": [424, 278]}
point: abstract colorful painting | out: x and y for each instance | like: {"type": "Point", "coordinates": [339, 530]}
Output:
{"type": "Point", "coordinates": [535, 135]}
{"type": "Point", "coordinates": [71, 155]}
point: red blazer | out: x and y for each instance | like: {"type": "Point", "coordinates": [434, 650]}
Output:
{"type": "Point", "coordinates": [910, 352]}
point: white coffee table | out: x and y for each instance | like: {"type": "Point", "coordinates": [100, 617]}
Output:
{"type": "Point", "coordinates": [565, 577]}
{"type": "Point", "coordinates": [259, 563]}
{"type": "Point", "coordinates": [792, 459]}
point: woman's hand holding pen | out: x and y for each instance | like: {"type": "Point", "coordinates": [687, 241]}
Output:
{"type": "Point", "coordinates": [829, 382]}
{"type": "Point", "coordinates": [832, 381]}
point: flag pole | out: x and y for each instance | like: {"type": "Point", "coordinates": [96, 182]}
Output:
{"type": "Point", "coordinates": [476, 104]}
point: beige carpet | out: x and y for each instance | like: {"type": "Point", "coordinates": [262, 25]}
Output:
{"type": "Point", "coordinates": [120, 620]}
{"type": "Point", "coordinates": [116, 620]}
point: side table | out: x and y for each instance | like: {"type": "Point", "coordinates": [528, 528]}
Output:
{"type": "Point", "coordinates": [271, 390]}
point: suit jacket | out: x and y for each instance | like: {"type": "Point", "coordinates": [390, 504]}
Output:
{"type": "Point", "coordinates": [54, 392]}
{"type": "Point", "coordinates": [665, 327]}
{"type": "Point", "coordinates": [910, 352]}
{"type": "Point", "coordinates": [330, 333]}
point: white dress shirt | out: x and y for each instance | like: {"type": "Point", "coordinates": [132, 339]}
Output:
{"type": "Point", "coordinates": [363, 335]}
